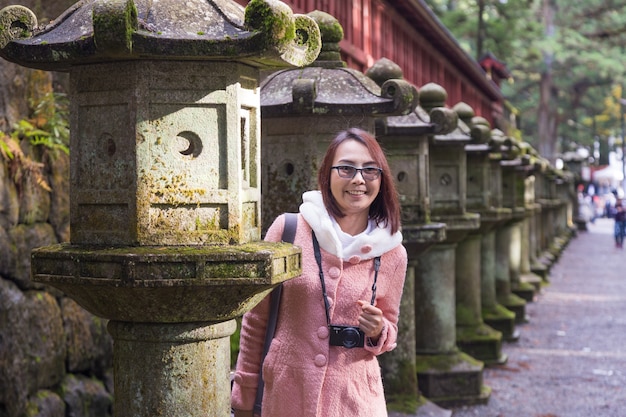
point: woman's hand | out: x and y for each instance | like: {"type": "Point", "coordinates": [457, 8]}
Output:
{"type": "Point", "coordinates": [244, 413]}
{"type": "Point", "coordinates": [370, 320]}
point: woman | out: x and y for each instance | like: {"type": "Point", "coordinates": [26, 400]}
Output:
{"type": "Point", "coordinates": [310, 368]}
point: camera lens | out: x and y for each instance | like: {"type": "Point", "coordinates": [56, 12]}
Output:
{"type": "Point", "coordinates": [351, 337]}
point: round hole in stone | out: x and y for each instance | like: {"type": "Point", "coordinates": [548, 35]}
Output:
{"type": "Point", "coordinates": [402, 176]}
{"type": "Point", "coordinates": [302, 37]}
{"type": "Point", "coordinates": [289, 168]}
{"type": "Point", "coordinates": [188, 144]}
{"type": "Point", "coordinates": [445, 179]}
{"type": "Point", "coordinates": [18, 29]}
{"type": "Point", "coordinates": [108, 146]}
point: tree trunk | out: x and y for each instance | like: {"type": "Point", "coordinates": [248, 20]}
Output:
{"type": "Point", "coordinates": [546, 111]}
{"type": "Point", "coordinates": [481, 35]}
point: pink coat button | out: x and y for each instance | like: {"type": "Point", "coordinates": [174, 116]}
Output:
{"type": "Point", "coordinates": [322, 332]}
{"type": "Point", "coordinates": [354, 259]}
{"type": "Point", "coordinates": [320, 360]}
{"type": "Point", "coordinates": [334, 272]}
{"type": "Point", "coordinates": [366, 249]}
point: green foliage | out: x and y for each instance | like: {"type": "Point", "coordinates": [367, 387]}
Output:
{"type": "Point", "coordinates": [575, 48]}
{"type": "Point", "coordinates": [505, 24]}
{"type": "Point", "coordinates": [5, 150]}
{"type": "Point", "coordinates": [21, 166]}
{"type": "Point", "coordinates": [49, 125]}
{"type": "Point", "coordinates": [234, 344]}
{"type": "Point", "coordinates": [47, 128]}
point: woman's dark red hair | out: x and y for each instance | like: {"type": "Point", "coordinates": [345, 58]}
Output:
{"type": "Point", "coordinates": [385, 208]}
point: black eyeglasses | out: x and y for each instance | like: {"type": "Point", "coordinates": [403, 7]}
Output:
{"type": "Point", "coordinates": [348, 171]}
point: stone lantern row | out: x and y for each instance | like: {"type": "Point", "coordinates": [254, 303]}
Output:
{"type": "Point", "coordinates": [477, 237]}
{"type": "Point", "coordinates": [475, 233]}
{"type": "Point", "coordinates": [179, 166]}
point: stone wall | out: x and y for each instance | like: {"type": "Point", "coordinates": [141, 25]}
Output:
{"type": "Point", "coordinates": [55, 357]}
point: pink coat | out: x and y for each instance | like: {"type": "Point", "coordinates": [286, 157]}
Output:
{"type": "Point", "coordinates": [304, 376]}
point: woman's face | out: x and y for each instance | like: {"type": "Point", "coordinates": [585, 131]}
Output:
{"type": "Point", "coordinates": [353, 195]}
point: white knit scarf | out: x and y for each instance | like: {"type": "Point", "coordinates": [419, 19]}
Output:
{"type": "Point", "coordinates": [378, 238]}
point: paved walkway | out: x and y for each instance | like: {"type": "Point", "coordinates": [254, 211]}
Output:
{"type": "Point", "coordinates": [570, 360]}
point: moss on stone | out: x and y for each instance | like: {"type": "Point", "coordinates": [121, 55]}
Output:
{"type": "Point", "coordinates": [275, 20]}
{"type": "Point", "coordinates": [401, 388]}
{"type": "Point", "coordinates": [497, 312]}
{"type": "Point", "coordinates": [444, 362]}
{"type": "Point", "coordinates": [467, 334]}
{"type": "Point", "coordinates": [114, 27]}
{"type": "Point", "coordinates": [172, 252]}
{"type": "Point", "coordinates": [330, 28]}
{"type": "Point", "coordinates": [465, 315]}
{"type": "Point", "coordinates": [407, 404]}
{"type": "Point", "coordinates": [511, 301]}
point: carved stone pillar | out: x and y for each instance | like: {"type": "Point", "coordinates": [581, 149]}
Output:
{"type": "Point", "coordinates": [165, 181]}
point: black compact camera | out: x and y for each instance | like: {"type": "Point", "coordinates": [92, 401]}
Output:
{"type": "Point", "coordinates": [346, 336]}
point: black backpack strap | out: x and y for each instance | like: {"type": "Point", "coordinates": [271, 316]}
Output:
{"type": "Point", "coordinates": [289, 234]}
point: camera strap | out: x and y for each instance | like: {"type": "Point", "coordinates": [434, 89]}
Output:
{"type": "Point", "coordinates": [318, 259]}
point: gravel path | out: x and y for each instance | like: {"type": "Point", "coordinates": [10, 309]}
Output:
{"type": "Point", "coordinates": [570, 360]}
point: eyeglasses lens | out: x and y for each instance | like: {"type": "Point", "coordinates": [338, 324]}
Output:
{"type": "Point", "coordinates": [368, 173]}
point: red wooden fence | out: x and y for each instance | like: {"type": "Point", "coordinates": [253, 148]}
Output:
{"type": "Point", "coordinates": [409, 34]}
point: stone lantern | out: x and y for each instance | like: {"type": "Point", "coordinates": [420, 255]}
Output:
{"type": "Point", "coordinates": [524, 279]}
{"type": "Point", "coordinates": [165, 181]}
{"type": "Point", "coordinates": [523, 282]}
{"type": "Point", "coordinates": [553, 226]}
{"type": "Point", "coordinates": [574, 163]}
{"type": "Point", "coordinates": [495, 314]}
{"type": "Point", "coordinates": [405, 140]}
{"type": "Point", "coordinates": [446, 375]}
{"type": "Point", "coordinates": [566, 193]}
{"type": "Point", "coordinates": [508, 236]}
{"type": "Point", "coordinates": [303, 109]}
{"type": "Point", "coordinates": [474, 335]}
{"type": "Point", "coordinates": [540, 254]}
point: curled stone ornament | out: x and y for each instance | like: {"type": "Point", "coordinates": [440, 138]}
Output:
{"type": "Point", "coordinates": [404, 94]}
{"type": "Point", "coordinates": [266, 34]}
{"type": "Point", "coordinates": [16, 22]}
{"type": "Point", "coordinates": [480, 130]}
{"type": "Point", "coordinates": [296, 39]}
{"type": "Point", "coordinates": [307, 44]}
{"type": "Point", "coordinates": [444, 120]}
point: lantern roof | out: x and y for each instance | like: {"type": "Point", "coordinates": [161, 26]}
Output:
{"type": "Point", "coordinates": [328, 87]}
{"type": "Point", "coordinates": [265, 34]}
